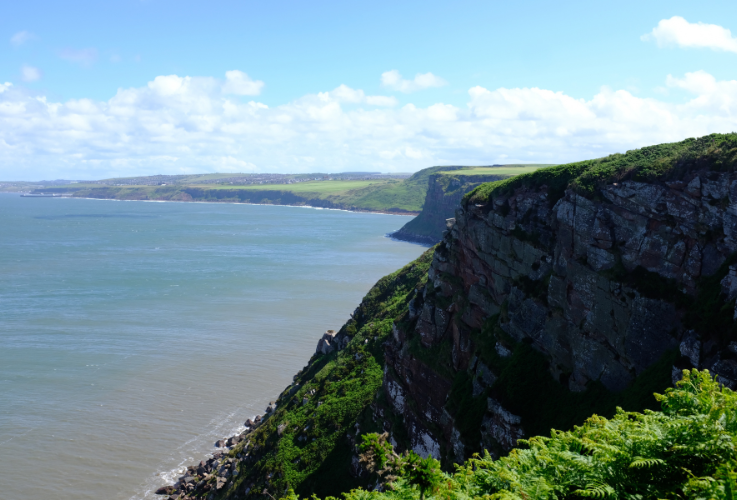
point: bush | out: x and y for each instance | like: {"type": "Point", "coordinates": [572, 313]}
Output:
{"type": "Point", "coordinates": [686, 450]}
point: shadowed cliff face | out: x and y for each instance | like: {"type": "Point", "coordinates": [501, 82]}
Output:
{"type": "Point", "coordinates": [590, 302]}
{"type": "Point", "coordinates": [444, 193]}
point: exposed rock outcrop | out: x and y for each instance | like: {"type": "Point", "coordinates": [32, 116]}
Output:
{"type": "Point", "coordinates": [601, 288]}
{"type": "Point", "coordinates": [327, 343]}
{"type": "Point", "coordinates": [444, 193]}
{"type": "Point", "coordinates": [551, 297]}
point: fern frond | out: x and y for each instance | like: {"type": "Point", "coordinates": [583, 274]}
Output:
{"type": "Point", "coordinates": [596, 490]}
{"type": "Point", "coordinates": [640, 462]}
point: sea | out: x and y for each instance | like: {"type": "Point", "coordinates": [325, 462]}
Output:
{"type": "Point", "coordinates": [133, 334]}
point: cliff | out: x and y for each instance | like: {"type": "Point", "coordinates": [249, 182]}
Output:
{"type": "Point", "coordinates": [444, 193]}
{"type": "Point", "coordinates": [552, 296]}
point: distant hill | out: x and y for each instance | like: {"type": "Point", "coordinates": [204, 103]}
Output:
{"type": "Point", "coordinates": [360, 191]}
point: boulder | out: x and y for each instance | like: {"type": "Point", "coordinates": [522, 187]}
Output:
{"type": "Point", "coordinates": [326, 344]}
{"type": "Point", "coordinates": [220, 483]}
{"type": "Point", "coordinates": [165, 490]}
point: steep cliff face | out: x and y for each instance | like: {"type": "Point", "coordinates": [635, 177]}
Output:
{"type": "Point", "coordinates": [544, 305]}
{"type": "Point", "coordinates": [444, 193]}
{"type": "Point", "coordinates": [552, 296]}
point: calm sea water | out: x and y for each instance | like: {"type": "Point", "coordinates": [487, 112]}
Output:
{"type": "Point", "coordinates": [133, 334]}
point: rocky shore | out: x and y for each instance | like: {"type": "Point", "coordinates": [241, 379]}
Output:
{"type": "Point", "coordinates": [205, 479]}
{"type": "Point", "coordinates": [213, 474]}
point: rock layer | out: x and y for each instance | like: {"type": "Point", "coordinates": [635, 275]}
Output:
{"type": "Point", "coordinates": [599, 287]}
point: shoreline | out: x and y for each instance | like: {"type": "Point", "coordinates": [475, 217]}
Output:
{"type": "Point", "coordinates": [404, 238]}
{"type": "Point", "coordinates": [418, 239]}
{"type": "Point", "coordinates": [192, 480]}
{"type": "Point", "coordinates": [358, 210]}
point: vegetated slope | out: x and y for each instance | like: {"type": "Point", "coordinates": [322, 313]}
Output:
{"type": "Point", "coordinates": [444, 192]}
{"type": "Point", "coordinates": [687, 450]}
{"type": "Point", "coordinates": [409, 192]}
{"type": "Point", "coordinates": [554, 296]}
{"type": "Point", "coordinates": [405, 196]}
{"type": "Point", "coordinates": [308, 441]}
{"type": "Point", "coordinates": [393, 196]}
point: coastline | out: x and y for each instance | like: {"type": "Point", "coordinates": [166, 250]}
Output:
{"type": "Point", "coordinates": [166, 461]}
{"type": "Point", "coordinates": [357, 210]}
{"type": "Point", "coordinates": [188, 480]}
{"type": "Point", "coordinates": [417, 239]}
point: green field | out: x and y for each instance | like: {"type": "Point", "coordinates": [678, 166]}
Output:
{"type": "Point", "coordinates": [316, 187]}
{"type": "Point", "coordinates": [404, 196]}
{"type": "Point", "coordinates": [503, 170]}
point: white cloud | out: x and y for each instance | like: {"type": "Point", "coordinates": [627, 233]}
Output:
{"type": "Point", "coordinates": [83, 57]}
{"type": "Point", "coordinates": [394, 81]}
{"type": "Point", "coordinates": [29, 73]}
{"type": "Point", "coordinates": [677, 31]}
{"type": "Point", "coordinates": [381, 100]}
{"type": "Point", "coordinates": [239, 83]}
{"type": "Point", "coordinates": [21, 37]}
{"type": "Point", "coordinates": [230, 164]}
{"type": "Point", "coordinates": [345, 95]}
{"type": "Point", "coordinates": [185, 124]}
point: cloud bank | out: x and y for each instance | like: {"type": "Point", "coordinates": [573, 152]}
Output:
{"type": "Point", "coordinates": [195, 124]}
{"type": "Point", "coordinates": [676, 31]}
{"type": "Point", "coordinates": [392, 80]}
{"type": "Point", "coordinates": [239, 83]}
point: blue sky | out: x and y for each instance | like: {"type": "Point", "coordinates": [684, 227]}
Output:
{"type": "Point", "coordinates": [98, 89]}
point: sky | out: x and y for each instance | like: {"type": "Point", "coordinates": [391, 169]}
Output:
{"type": "Point", "coordinates": [92, 90]}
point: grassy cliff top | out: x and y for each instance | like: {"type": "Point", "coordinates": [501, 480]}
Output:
{"type": "Point", "coordinates": [500, 170]}
{"type": "Point", "coordinates": [663, 162]}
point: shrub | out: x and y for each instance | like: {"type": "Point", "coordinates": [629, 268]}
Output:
{"type": "Point", "coordinates": [686, 450]}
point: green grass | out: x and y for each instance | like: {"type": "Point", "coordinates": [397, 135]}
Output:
{"type": "Point", "coordinates": [311, 187]}
{"type": "Point", "coordinates": [663, 162]}
{"type": "Point", "coordinates": [393, 195]}
{"type": "Point", "coordinates": [503, 170]}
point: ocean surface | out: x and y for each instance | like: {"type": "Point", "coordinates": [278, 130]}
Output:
{"type": "Point", "coordinates": [133, 335]}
